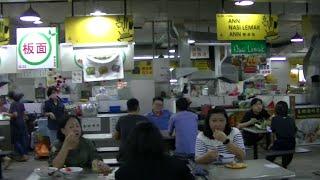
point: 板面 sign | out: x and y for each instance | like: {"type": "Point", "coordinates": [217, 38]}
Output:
{"type": "Point", "coordinates": [37, 48]}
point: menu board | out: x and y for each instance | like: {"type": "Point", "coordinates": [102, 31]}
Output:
{"type": "Point", "coordinates": [37, 48]}
{"type": "Point", "coordinates": [101, 63]}
{"type": "Point", "coordinates": [246, 26]}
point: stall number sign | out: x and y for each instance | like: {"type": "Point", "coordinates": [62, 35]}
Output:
{"type": "Point", "coordinates": [37, 48]}
{"type": "Point", "coordinates": [303, 113]}
{"type": "Point", "coordinates": [246, 26]}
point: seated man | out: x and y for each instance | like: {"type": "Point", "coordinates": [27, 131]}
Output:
{"type": "Point", "coordinates": [309, 130]}
{"type": "Point", "coordinates": [127, 123]}
{"type": "Point", "coordinates": [159, 116]}
{"type": "Point", "coordinates": [185, 124]}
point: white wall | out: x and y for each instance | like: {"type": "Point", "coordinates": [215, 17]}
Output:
{"type": "Point", "coordinates": [280, 69]}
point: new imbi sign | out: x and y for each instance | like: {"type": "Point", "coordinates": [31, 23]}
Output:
{"type": "Point", "coordinates": [37, 48]}
{"type": "Point", "coordinates": [246, 26]}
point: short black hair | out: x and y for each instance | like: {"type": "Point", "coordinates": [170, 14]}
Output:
{"type": "Point", "coordinates": [50, 90]}
{"type": "Point", "coordinates": [145, 143]}
{"type": "Point", "coordinates": [281, 109]}
{"type": "Point", "coordinates": [157, 99]}
{"type": "Point", "coordinates": [255, 101]}
{"type": "Point", "coordinates": [132, 104]}
{"type": "Point", "coordinates": [62, 125]}
{"type": "Point", "coordinates": [217, 110]}
{"type": "Point", "coordinates": [182, 104]}
{"type": "Point", "coordinates": [15, 96]}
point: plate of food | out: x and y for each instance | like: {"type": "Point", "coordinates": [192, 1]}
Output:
{"type": "Point", "coordinates": [236, 165]}
{"type": "Point", "coordinates": [71, 171]}
{"type": "Point", "coordinates": [103, 58]}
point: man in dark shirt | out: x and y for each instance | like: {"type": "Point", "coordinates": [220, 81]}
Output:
{"type": "Point", "coordinates": [256, 114]}
{"type": "Point", "coordinates": [54, 110]}
{"type": "Point", "coordinates": [127, 123]}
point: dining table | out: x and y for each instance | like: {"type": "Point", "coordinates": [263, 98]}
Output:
{"type": "Point", "coordinates": [255, 130]}
{"type": "Point", "coordinates": [256, 169]}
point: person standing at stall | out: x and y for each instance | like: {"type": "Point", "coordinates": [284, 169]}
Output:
{"type": "Point", "coordinates": [126, 124]}
{"type": "Point", "coordinates": [185, 125]}
{"type": "Point", "coordinates": [255, 115]}
{"type": "Point", "coordinates": [4, 110]}
{"type": "Point", "coordinates": [54, 109]}
{"type": "Point", "coordinates": [159, 116]}
{"type": "Point", "coordinates": [17, 125]}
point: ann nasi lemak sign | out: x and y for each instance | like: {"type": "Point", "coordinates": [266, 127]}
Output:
{"type": "Point", "coordinates": [37, 48]}
{"type": "Point", "coordinates": [246, 26]}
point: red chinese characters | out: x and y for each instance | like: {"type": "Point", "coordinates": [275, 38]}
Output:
{"type": "Point", "coordinates": [28, 48]}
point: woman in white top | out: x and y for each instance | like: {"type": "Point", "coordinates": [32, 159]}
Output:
{"type": "Point", "coordinates": [218, 137]}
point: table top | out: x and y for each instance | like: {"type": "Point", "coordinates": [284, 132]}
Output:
{"type": "Point", "coordinates": [255, 130]}
{"type": "Point", "coordinates": [108, 115]}
{"type": "Point", "coordinates": [97, 136]}
{"type": "Point", "coordinates": [257, 169]}
{"type": "Point", "coordinates": [2, 138]}
{"type": "Point", "coordinates": [82, 176]}
{"type": "Point", "coordinates": [108, 149]}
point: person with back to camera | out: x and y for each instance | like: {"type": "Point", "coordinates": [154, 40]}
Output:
{"type": "Point", "coordinates": [284, 129]}
{"type": "Point", "coordinates": [145, 158]}
{"type": "Point", "coordinates": [218, 137]}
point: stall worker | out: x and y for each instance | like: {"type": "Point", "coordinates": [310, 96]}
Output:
{"type": "Point", "coordinates": [218, 137]}
{"type": "Point", "coordinates": [72, 150]}
{"type": "Point", "coordinates": [185, 125]}
{"type": "Point", "coordinates": [159, 116]}
{"type": "Point", "coordinates": [54, 109]}
{"type": "Point", "coordinates": [255, 115]}
{"type": "Point", "coordinates": [127, 123]}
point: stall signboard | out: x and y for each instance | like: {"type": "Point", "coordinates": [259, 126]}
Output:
{"type": "Point", "coordinates": [8, 59]}
{"type": "Point", "coordinates": [4, 31]}
{"type": "Point", "coordinates": [202, 65]}
{"type": "Point", "coordinates": [305, 113]}
{"type": "Point", "coordinates": [246, 26]}
{"type": "Point", "coordinates": [143, 67]}
{"type": "Point", "coordinates": [248, 47]}
{"type": "Point", "coordinates": [37, 48]}
{"type": "Point", "coordinates": [102, 63]}
{"type": "Point", "coordinates": [102, 29]}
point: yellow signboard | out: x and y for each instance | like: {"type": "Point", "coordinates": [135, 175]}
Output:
{"type": "Point", "coordinates": [102, 29]}
{"type": "Point", "coordinates": [4, 31]}
{"type": "Point", "coordinates": [202, 65]}
{"type": "Point", "coordinates": [246, 26]}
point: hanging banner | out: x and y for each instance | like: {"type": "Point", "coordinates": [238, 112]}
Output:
{"type": "Point", "coordinates": [101, 63]}
{"type": "Point", "coordinates": [4, 31]}
{"type": "Point", "coordinates": [246, 26]}
{"type": "Point", "coordinates": [8, 59]}
{"type": "Point", "coordinates": [248, 47]}
{"type": "Point", "coordinates": [102, 29]}
{"type": "Point", "coordinates": [37, 48]}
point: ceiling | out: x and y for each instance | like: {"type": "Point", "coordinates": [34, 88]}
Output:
{"type": "Point", "coordinates": [194, 15]}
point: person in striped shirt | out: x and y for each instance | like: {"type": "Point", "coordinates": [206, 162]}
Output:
{"type": "Point", "coordinates": [218, 137]}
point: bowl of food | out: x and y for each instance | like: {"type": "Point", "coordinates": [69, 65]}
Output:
{"type": "Point", "coordinates": [45, 172]}
{"type": "Point", "coordinates": [226, 158]}
{"type": "Point", "coordinates": [71, 171]}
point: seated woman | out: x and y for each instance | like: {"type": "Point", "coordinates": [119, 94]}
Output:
{"type": "Point", "coordinates": [145, 157]}
{"type": "Point", "coordinates": [284, 129]}
{"type": "Point", "coordinates": [73, 150]}
{"type": "Point", "coordinates": [256, 114]}
{"type": "Point", "coordinates": [218, 137]}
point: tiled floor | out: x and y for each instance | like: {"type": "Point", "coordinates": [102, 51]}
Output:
{"type": "Point", "coordinates": [303, 164]}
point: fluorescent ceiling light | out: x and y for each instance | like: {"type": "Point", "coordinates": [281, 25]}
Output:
{"type": "Point", "coordinates": [173, 80]}
{"type": "Point", "coordinates": [30, 15]}
{"type": "Point", "coordinates": [278, 58]}
{"type": "Point", "coordinates": [37, 22]}
{"type": "Point", "coordinates": [172, 51]}
{"type": "Point", "coordinates": [150, 57]}
{"type": "Point", "coordinates": [171, 69]}
{"type": "Point", "coordinates": [244, 2]}
{"type": "Point", "coordinates": [98, 13]}
{"type": "Point", "coordinates": [191, 41]}
{"type": "Point", "coordinates": [297, 38]}
{"type": "Point", "coordinates": [143, 57]}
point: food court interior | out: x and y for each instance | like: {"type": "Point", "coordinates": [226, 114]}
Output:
{"type": "Point", "coordinates": [89, 58]}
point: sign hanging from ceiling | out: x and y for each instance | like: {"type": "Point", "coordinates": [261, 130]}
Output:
{"type": "Point", "coordinates": [4, 31]}
{"type": "Point", "coordinates": [248, 47]}
{"type": "Point", "coordinates": [37, 48]}
{"type": "Point", "coordinates": [246, 26]}
{"type": "Point", "coordinates": [103, 29]}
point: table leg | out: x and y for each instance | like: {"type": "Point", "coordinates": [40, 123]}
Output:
{"type": "Point", "coordinates": [255, 150]}
{"type": "Point", "coordinates": [1, 177]}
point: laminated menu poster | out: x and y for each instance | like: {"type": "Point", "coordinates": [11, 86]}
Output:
{"type": "Point", "coordinates": [101, 63]}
